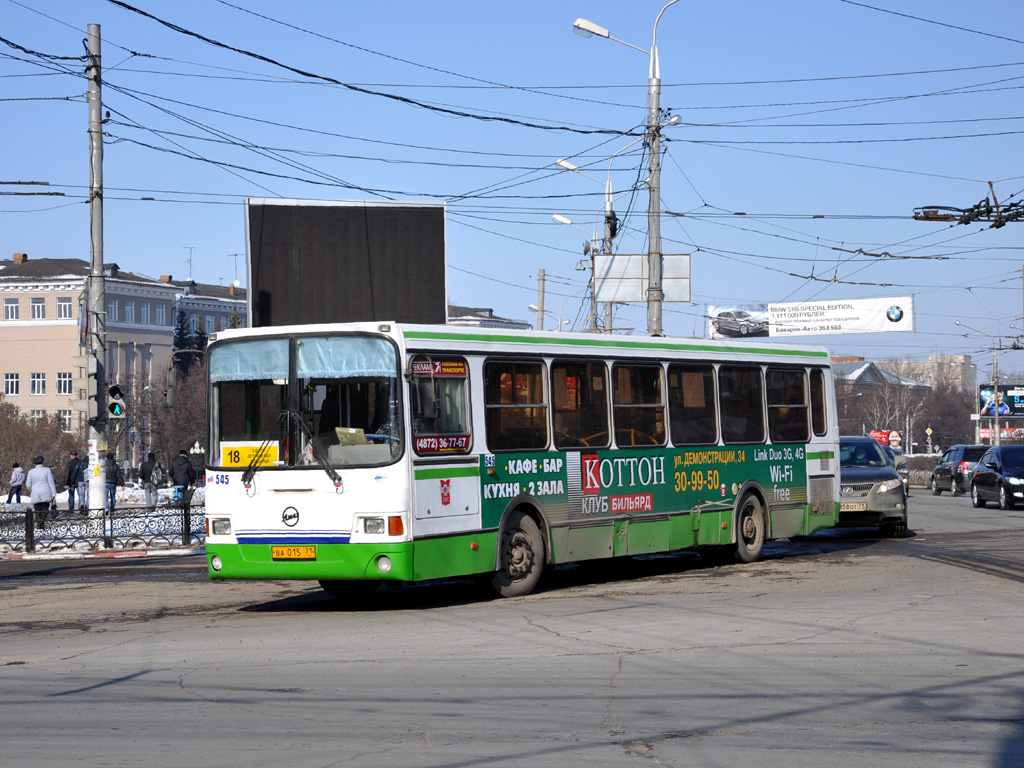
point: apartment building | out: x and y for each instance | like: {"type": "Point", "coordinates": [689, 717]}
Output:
{"type": "Point", "coordinates": [43, 328]}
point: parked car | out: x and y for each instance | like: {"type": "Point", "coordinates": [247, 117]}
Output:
{"type": "Point", "coordinates": [953, 469]}
{"type": "Point", "coordinates": [999, 476]}
{"type": "Point", "coordinates": [735, 322]}
{"type": "Point", "coordinates": [871, 491]}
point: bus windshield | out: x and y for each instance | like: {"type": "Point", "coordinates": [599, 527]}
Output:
{"type": "Point", "coordinates": [305, 401]}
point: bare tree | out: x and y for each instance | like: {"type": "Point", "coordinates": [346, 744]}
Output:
{"type": "Point", "coordinates": [948, 412]}
{"type": "Point", "coordinates": [180, 427]}
{"type": "Point", "coordinates": [22, 438]}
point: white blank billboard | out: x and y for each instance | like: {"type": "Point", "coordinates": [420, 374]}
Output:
{"type": "Point", "coordinates": [622, 277]}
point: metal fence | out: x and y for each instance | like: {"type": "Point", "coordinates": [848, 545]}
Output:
{"type": "Point", "coordinates": [164, 525]}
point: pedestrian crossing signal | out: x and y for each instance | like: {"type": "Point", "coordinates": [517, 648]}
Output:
{"type": "Point", "coordinates": [116, 406]}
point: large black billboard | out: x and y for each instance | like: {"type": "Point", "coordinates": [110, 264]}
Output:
{"type": "Point", "coordinates": [314, 261]}
{"type": "Point", "coordinates": [1009, 400]}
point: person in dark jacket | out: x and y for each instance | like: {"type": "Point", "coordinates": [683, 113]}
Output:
{"type": "Point", "coordinates": [115, 477]}
{"type": "Point", "coordinates": [72, 476]}
{"type": "Point", "coordinates": [149, 482]}
{"type": "Point", "coordinates": [182, 472]}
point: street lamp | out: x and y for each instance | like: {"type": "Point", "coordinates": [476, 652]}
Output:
{"type": "Point", "coordinates": [560, 323]}
{"type": "Point", "coordinates": [655, 295]}
{"type": "Point", "coordinates": [996, 440]}
{"type": "Point", "coordinates": [587, 250]}
{"type": "Point", "coordinates": [540, 315]}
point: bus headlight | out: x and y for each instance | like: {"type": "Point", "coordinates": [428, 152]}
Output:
{"type": "Point", "coordinates": [383, 563]}
{"type": "Point", "coordinates": [373, 525]}
{"type": "Point", "coordinates": [221, 526]}
{"type": "Point", "coordinates": [216, 563]}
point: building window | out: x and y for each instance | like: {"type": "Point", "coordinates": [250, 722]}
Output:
{"type": "Point", "coordinates": [129, 311]}
{"type": "Point", "coordinates": [210, 321]}
{"type": "Point", "coordinates": [112, 311]}
{"type": "Point", "coordinates": [63, 383]}
{"type": "Point", "coordinates": [193, 322]}
{"type": "Point", "coordinates": [37, 384]}
{"type": "Point", "coordinates": [63, 307]}
{"type": "Point", "coordinates": [65, 420]}
{"type": "Point", "coordinates": [144, 313]}
{"type": "Point", "coordinates": [10, 309]}
{"type": "Point", "coordinates": [161, 314]}
{"type": "Point", "coordinates": [39, 309]}
{"type": "Point", "coordinates": [36, 416]}
{"type": "Point", "coordinates": [11, 384]}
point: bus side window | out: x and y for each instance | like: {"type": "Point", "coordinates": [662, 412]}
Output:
{"type": "Point", "coordinates": [440, 405]}
{"type": "Point", "coordinates": [787, 405]}
{"type": "Point", "coordinates": [579, 400]}
{"type": "Point", "coordinates": [515, 403]}
{"type": "Point", "coordinates": [691, 404]}
{"type": "Point", "coordinates": [741, 403]}
{"type": "Point", "coordinates": [639, 405]}
{"type": "Point", "coordinates": [818, 420]}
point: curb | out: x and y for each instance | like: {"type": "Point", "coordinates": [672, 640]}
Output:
{"type": "Point", "coordinates": [105, 554]}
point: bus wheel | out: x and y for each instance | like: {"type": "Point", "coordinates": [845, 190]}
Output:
{"type": "Point", "coordinates": [750, 530]}
{"type": "Point", "coordinates": [521, 557]}
{"type": "Point", "coordinates": [352, 591]}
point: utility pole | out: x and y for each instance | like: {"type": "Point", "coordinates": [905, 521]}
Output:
{"type": "Point", "coordinates": [996, 437]}
{"type": "Point", "coordinates": [655, 295]}
{"type": "Point", "coordinates": [97, 287]}
{"type": "Point", "coordinates": [540, 299]}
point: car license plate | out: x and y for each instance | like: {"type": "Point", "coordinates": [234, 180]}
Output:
{"type": "Point", "coordinates": [853, 506]}
{"type": "Point", "coordinates": [303, 552]}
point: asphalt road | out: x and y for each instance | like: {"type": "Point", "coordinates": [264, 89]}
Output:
{"type": "Point", "coordinates": [837, 650]}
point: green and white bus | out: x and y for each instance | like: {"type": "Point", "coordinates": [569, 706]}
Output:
{"type": "Point", "coordinates": [367, 452]}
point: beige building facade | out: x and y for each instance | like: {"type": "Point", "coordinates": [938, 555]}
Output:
{"type": "Point", "coordinates": [43, 328]}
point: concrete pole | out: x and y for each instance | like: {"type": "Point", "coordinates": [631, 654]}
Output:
{"type": "Point", "coordinates": [996, 439]}
{"type": "Point", "coordinates": [655, 295]}
{"type": "Point", "coordinates": [97, 287]}
{"type": "Point", "coordinates": [540, 299]}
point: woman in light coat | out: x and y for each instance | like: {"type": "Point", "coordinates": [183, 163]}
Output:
{"type": "Point", "coordinates": [42, 488]}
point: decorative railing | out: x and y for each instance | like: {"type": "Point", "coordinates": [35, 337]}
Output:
{"type": "Point", "coordinates": [127, 528]}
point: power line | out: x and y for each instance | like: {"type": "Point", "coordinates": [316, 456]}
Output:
{"type": "Point", "coordinates": [366, 91]}
{"type": "Point", "coordinates": [933, 21]}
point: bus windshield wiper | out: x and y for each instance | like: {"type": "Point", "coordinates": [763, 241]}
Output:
{"type": "Point", "coordinates": [318, 453]}
{"type": "Point", "coordinates": [261, 452]}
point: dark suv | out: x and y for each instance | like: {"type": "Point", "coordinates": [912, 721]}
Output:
{"type": "Point", "coordinates": [953, 470]}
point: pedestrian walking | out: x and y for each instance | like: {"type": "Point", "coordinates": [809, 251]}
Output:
{"type": "Point", "coordinates": [183, 475]}
{"type": "Point", "coordinates": [42, 489]}
{"type": "Point", "coordinates": [83, 484]}
{"type": "Point", "coordinates": [151, 475]}
{"type": "Point", "coordinates": [114, 477]}
{"type": "Point", "coordinates": [72, 476]}
{"type": "Point", "coordinates": [17, 481]}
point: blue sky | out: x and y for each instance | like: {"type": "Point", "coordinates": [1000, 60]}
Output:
{"type": "Point", "coordinates": [807, 132]}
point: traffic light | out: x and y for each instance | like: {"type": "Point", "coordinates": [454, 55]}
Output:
{"type": "Point", "coordinates": [90, 403]}
{"type": "Point", "coordinates": [116, 407]}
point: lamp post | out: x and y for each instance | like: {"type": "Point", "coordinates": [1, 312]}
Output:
{"type": "Point", "coordinates": [996, 439]}
{"type": "Point", "coordinates": [540, 315]}
{"type": "Point", "coordinates": [588, 250]}
{"type": "Point", "coordinates": [655, 295]}
{"type": "Point", "coordinates": [560, 324]}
